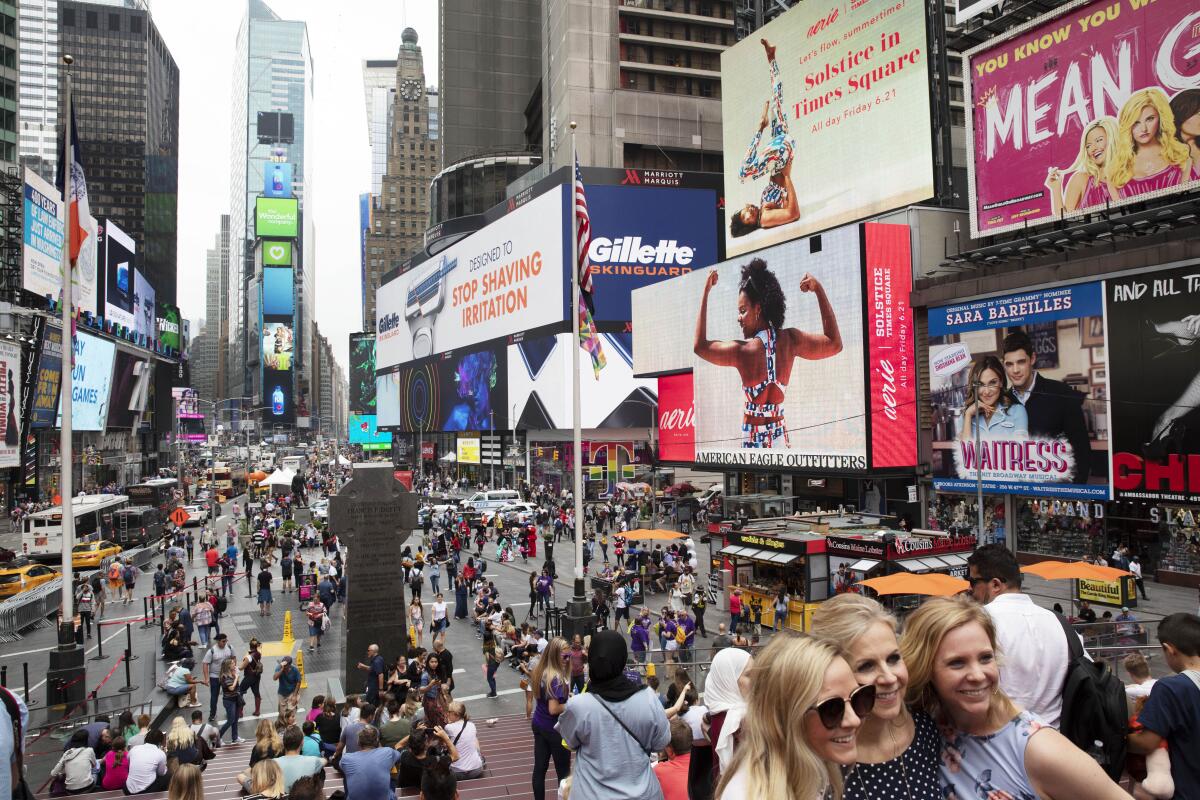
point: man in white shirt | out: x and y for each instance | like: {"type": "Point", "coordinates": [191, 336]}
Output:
{"type": "Point", "coordinates": [1139, 673]}
{"type": "Point", "coordinates": [540, 641]}
{"type": "Point", "coordinates": [1031, 637]}
{"type": "Point", "coordinates": [148, 766]}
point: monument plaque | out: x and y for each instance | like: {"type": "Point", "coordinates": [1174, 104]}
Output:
{"type": "Point", "coordinates": [372, 514]}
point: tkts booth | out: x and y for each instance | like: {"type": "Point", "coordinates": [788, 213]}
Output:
{"type": "Point", "coordinates": [871, 553]}
{"type": "Point", "coordinates": [768, 555]}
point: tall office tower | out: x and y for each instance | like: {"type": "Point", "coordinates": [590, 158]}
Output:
{"type": "Point", "coordinates": [126, 101]}
{"type": "Point", "coordinates": [398, 223]}
{"type": "Point", "coordinates": [273, 71]}
{"type": "Point", "coordinates": [203, 359]}
{"type": "Point", "coordinates": [641, 78]}
{"type": "Point", "coordinates": [216, 306]}
{"type": "Point", "coordinates": [38, 93]}
{"type": "Point", "coordinates": [379, 84]}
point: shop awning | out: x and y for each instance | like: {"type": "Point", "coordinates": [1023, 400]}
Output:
{"type": "Point", "coordinates": [954, 559]}
{"type": "Point", "coordinates": [754, 554]}
{"type": "Point", "coordinates": [913, 565]}
{"type": "Point", "coordinates": [866, 565]}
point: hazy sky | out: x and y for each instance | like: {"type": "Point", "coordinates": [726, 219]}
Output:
{"type": "Point", "coordinates": [341, 34]}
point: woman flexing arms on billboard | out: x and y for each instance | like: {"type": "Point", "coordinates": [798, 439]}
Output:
{"type": "Point", "coordinates": [778, 204]}
{"type": "Point", "coordinates": [764, 358]}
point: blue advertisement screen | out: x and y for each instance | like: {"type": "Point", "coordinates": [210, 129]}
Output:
{"type": "Point", "coordinates": [363, 431]}
{"type": "Point", "coordinates": [645, 234]}
{"type": "Point", "coordinates": [277, 179]}
{"type": "Point", "coordinates": [91, 379]}
{"type": "Point", "coordinates": [277, 291]}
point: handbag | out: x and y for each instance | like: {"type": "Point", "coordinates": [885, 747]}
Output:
{"type": "Point", "coordinates": [649, 753]}
{"type": "Point", "coordinates": [58, 786]}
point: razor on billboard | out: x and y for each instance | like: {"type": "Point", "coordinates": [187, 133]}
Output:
{"type": "Point", "coordinates": [504, 279]}
{"type": "Point", "coordinates": [1020, 390]}
{"type": "Point", "coordinates": [804, 113]}
{"type": "Point", "coordinates": [1090, 106]}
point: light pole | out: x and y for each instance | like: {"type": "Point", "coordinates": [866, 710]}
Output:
{"type": "Point", "coordinates": [492, 459]}
{"type": "Point", "coordinates": [979, 533]}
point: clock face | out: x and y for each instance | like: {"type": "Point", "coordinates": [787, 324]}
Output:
{"type": "Point", "coordinates": [410, 89]}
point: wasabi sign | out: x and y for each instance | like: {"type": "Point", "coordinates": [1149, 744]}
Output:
{"type": "Point", "coordinates": [275, 218]}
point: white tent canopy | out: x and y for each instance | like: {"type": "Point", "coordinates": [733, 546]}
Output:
{"type": "Point", "coordinates": [340, 461]}
{"type": "Point", "coordinates": [449, 458]}
{"type": "Point", "coordinates": [280, 477]}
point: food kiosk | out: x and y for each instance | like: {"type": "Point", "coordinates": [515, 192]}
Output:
{"type": "Point", "coordinates": [871, 552]}
{"type": "Point", "coordinates": [762, 558]}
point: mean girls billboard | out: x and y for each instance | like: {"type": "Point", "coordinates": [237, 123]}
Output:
{"type": "Point", "coordinates": [1019, 387]}
{"type": "Point", "coordinates": [1096, 104]}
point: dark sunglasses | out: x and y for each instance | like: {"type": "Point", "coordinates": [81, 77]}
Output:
{"type": "Point", "coordinates": [831, 711]}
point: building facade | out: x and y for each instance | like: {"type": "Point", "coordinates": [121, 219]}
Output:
{"type": "Point", "coordinates": [38, 91]}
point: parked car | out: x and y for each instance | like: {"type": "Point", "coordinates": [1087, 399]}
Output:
{"type": "Point", "coordinates": [90, 554]}
{"type": "Point", "coordinates": [16, 577]}
{"type": "Point", "coordinates": [319, 509]}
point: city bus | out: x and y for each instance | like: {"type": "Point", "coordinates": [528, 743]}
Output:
{"type": "Point", "coordinates": [41, 532]}
{"type": "Point", "coordinates": [136, 526]}
{"type": "Point", "coordinates": [160, 493]}
{"type": "Point", "coordinates": [227, 481]}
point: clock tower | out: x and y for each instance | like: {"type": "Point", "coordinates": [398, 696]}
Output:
{"type": "Point", "coordinates": [400, 214]}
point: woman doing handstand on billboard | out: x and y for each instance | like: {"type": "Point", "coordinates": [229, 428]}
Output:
{"type": "Point", "coordinates": [778, 204]}
{"type": "Point", "coordinates": [764, 358]}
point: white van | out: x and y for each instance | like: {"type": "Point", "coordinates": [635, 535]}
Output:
{"type": "Point", "coordinates": [489, 501]}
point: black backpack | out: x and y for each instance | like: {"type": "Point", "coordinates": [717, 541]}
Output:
{"type": "Point", "coordinates": [1095, 716]}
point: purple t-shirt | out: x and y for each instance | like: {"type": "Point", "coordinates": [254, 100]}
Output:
{"type": "Point", "coordinates": [689, 629]}
{"type": "Point", "coordinates": [542, 719]}
{"type": "Point", "coordinates": [640, 638]}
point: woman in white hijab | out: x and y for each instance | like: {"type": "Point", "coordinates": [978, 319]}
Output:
{"type": "Point", "coordinates": [726, 702]}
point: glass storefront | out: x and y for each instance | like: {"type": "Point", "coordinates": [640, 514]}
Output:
{"type": "Point", "coordinates": [1060, 528]}
{"type": "Point", "coordinates": [958, 515]}
{"type": "Point", "coordinates": [1166, 537]}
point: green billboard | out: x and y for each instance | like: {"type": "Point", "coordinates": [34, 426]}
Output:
{"type": "Point", "coordinates": [277, 254]}
{"type": "Point", "coordinates": [275, 218]}
{"type": "Point", "coordinates": [168, 325]}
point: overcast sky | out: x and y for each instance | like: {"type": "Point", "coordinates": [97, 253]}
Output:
{"type": "Point", "coordinates": [341, 35]}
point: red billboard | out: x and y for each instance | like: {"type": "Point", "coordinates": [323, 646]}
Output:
{"type": "Point", "coordinates": [676, 418]}
{"type": "Point", "coordinates": [427, 451]}
{"type": "Point", "coordinates": [890, 353]}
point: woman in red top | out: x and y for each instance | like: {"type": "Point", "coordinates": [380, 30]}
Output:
{"type": "Point", "coordinates": [735, 610]}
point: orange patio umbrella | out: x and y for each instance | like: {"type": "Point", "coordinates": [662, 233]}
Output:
{"type": "Point", "coordinates": [657, 534]}
{"type": "Point", "coordinates": [1073, 570]}
{"type": "Point", "coordinates": [937, 584]}
{"type": "Point", "coordinates": [257, 475]}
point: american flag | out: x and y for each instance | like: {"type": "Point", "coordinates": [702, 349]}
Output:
{"type": "Point", "coordinates": [583, 238]}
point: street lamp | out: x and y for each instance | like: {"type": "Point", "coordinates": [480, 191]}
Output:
{"type": "Point", "coordinates": [979, 535]}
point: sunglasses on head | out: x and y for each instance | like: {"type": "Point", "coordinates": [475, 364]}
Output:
{"type": "Point", "coordinates": [832, 711]}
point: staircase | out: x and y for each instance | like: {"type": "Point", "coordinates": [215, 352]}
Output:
{"type": "Point", "coordinates": [507, 745]}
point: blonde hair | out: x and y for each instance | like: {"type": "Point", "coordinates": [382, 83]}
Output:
{"type": "Point", "coordinates": [1175, 152]}
{"type": "Point", "coordinates": [266, 738]}
{"type": "Point", "coordinates": [267, 778]}
{"type": "Point", "coordinates": [459, 709]}
{"type": "Point", "coordinates": [924, 630]}
{"type": "Point", "coordinates": [186, 783]}
{"type": "Point", "coordinates": [785, 681]}
{"type": "Point", "coordinates": [1083, 162]}
{"type": "Point", "coordinates": [180, 737]}
{"type": "Point", "coordinates": [842, 619]}
{"type": "Point", "coordinates": [551, 661]}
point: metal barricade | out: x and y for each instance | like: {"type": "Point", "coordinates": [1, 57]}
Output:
{"type": "Point", "coordinates": [29, 609]}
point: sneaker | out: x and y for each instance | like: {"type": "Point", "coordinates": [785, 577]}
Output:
{"type": "Point", "coordinates": [490, 694]}
{"type": "Point", "coordinates": [238, 740]}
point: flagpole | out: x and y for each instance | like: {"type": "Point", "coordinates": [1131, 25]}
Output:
{"type": "Point", "coordinates": [66, 631]}
{"type": "Point", "coordinates": [576, 434]}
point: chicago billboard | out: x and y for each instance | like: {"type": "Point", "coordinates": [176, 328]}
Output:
{"type": "Point", "coordinates": [119, 253]}
{"type": "Point", "coordinates": [503, 279]}
{"type": "Point", "coordinates": [1024, 376]}
{"type": "Point", "coordinates": [275, 218]}
{"type": "Point", "coordinates": [1093, 105]}
{"type": "Point", "coordinates": [803, 116]}
{"type": "Point", "coordinates": [91, 378]}
{"type": "Point", "coordinates": [362, 373]}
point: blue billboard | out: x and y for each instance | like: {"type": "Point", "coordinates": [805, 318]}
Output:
{"type": "Point", "coordinates": [277, 291]}
{"type": "Point", "coordinates": [645, 234]}
{"type": "Point", "coordinates": [363, 430]}
{"type": "Point", "coordinates": [91, 380]}
{"type": "Point", "coordinates": [277, 179]}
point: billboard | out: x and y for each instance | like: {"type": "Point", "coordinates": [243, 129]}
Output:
{"type": "Point", "coordinates": [362, 373]}
{"type": "Point", "coordinates": [119, 252]}
{"type": "Point", "coordinates": [642, 235]}
{"type": "Point", "coordinates": [892, 383]}
{"type": "Point", "coordinates": [130, 390]}
{"type": "Point", "coordinates": [1154, 369]}
{"type": "Point", "coordinates": [460, 391]}
{"type": "Point", "coordinates": [43, 409]}
{"type": "Point", "coordinates": [277, 179]}
{"type": "Point", "coordinates": [277, 394]}
{"type": "Point", "coordinates": [501, 280]}
{"type": "Point", "coordinates": [144, 306]}
{"type": "Point", "coordinates": [363, 430]}
{"type": "Point", "coordinates": [91, 378]}
{"type": "Point", "coordinates": [277, 291]}
{"type": "Point", "coordinates": [10, 404]}
{"type": "Point", "coordinates": [43, 237]}
{"type": "Point", "coordinates": [168, 325]}
{"type": "Point", "coordinates": [187, 403]}
{"type": "Point", "coordinates": [676, 418]}
{"type": "Point", "coordinates": [275, 218]}
{"type": "Point", "coordinates": [276, 254]}
{"type": "Point", "coordinates": [278, 346]}
{"type": "Point", "coordinates": [467, 450]}
{"type": "Point", "coordinates": [777, 343]}
{"type": "Point", "coordinates": [802, 118]}
{"type": "Point", "coordinates": [1089, 106]}
{"type": "Point", "coordinates": [1037, 363]}
{"type": "Point", "coordinates": [387, 401]}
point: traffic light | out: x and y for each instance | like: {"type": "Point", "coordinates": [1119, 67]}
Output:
{"type": "Point", "coordinates": [539, 452]}
{"type": "Point", "coordinates": [556, 454]}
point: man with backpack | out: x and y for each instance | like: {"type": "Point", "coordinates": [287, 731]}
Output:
{"type": "Point", "coordinates": [1172, 712]}
{"type": "Point", "coordinates": [216, 654]}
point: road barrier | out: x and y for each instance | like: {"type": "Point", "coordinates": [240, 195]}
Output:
{"type": "Point", "coordinates": [29, 609]}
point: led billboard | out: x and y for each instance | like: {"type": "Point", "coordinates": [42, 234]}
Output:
{"type": "Point", "coordinates": [362, 373]}
{"type": "Point", "coordinates": [119, 252]}
{"type": "Point", "coordinates": [277, 394]}
{"type": "Point", "coordinates": [1092, 105]}
{"type": "Point", "coordinates": [144, 306]}
{"type": "Point", "coordinates": [277, 291]}
{"type": "Point", "coordinates": [363, 430]}
{"type": "Point", "coordinates": [277, 179]}
{"type": "Point", "coordinates": [187, 403]}
{"type": "Point", "coordinates": [10, 404]}
{"type": "Point", "coordinates": [168, 325]}
{"type": "Point", "coordinates": [277, 346]}
{"type": "Point", "coordinates": [1019, 390]}
{"type": "Point", "coordinates": [460, 391]}
{"type": "Point", "coordinates": [91, 378]}
{"type": "Point", "coordinates": [467, 449]}
{"type": "Point", "coordinates": [803, 118]}
{"type": "Point", "coordinates": [676, 418]}
{"type": "Point", "coordinates": [275, 218]}
{"type": "Point", "coordinates": [130, 390]}
{"type": "Point", "coordinates": [44, 406]}
{"type": "Point", "coordinates": [276, 254]}
{"type": "Point", "coordinates": [43, 237]}
{"type": "Point", "coordinates": [501, 280]}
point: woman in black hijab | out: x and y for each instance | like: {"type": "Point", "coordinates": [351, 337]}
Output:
{"type": "Point", "coordinates": [613, 727]}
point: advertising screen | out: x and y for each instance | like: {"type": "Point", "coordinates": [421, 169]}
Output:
{"type": "Point", "coordinates": [277, 393]}
{"type": "Point", "coordinates": [43, 409]}
{"type": "Point", "coordinates": [780, 342]}
{"type": "Point", "coordinates": [277, 179]}
{"type": "Point", "coordinates": [277, 292]}
{"type": "Point", "coordinates": [892, 387]}
{"type": "Point", "coordinates": [10, 404]}
{"type": "Point", "coordinates": [144, 306]}
{"type": "Point", "coordinates": [642, 235]}
{"type": "Point", "coordinates": [802, 117]}
{"type": "Point", "coordinates": [676, 418]}
{"type": "Point", "coordinates": [277, 346]}
{"type": "Point", "coordinates": [1083, 108]}
{"type": "Point", "coordinates": [91, 378]}
{"type": "Point", "coordinates": [275, 218]}
{"type": "Point", "coordinates": [277, 254]}
{"type": "Point", "coordinates": [387, 401]}
{"type": "Point", "coordinates": [43, 237]}
{"type": "Point", "coordinates": [468, 450]}
{"type": "Point", "coordinates": [462, 391]}
{"type": "Point", "coordinates": [1154, 358]}
{"type": "Point", "coordinates": [1036, 361]}
{"type": "Point", "coordinates": [130, 390]}
{"type": "Point", "coordinates": [188, 402]}
{"type": "Point", "coordinates": [362, 373]}
{"type": "Point", "coordinates": [119, 269]}
{"type": "Point", "coordinates": [501, 280]}
{"type": "Point", "coordinates": [168, 325]}
{"type": "Point", "coordinates": [363, 430]}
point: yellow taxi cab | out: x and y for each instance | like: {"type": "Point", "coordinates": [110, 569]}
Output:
{"type": "Point", "coordinates": [90, 554]}
{"type": "Point", "coordinates": [18, 578]}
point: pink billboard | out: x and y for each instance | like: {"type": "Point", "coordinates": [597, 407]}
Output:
{"type": "Point", "coordinates": [676, 418]}
{"type": "Point", "coordinates": [890, 351]}
{"type": "Point", "coordinates": [1092, 106]}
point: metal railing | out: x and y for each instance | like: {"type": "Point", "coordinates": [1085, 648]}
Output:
{"type": "Point", "coordinates": [29, 609]}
